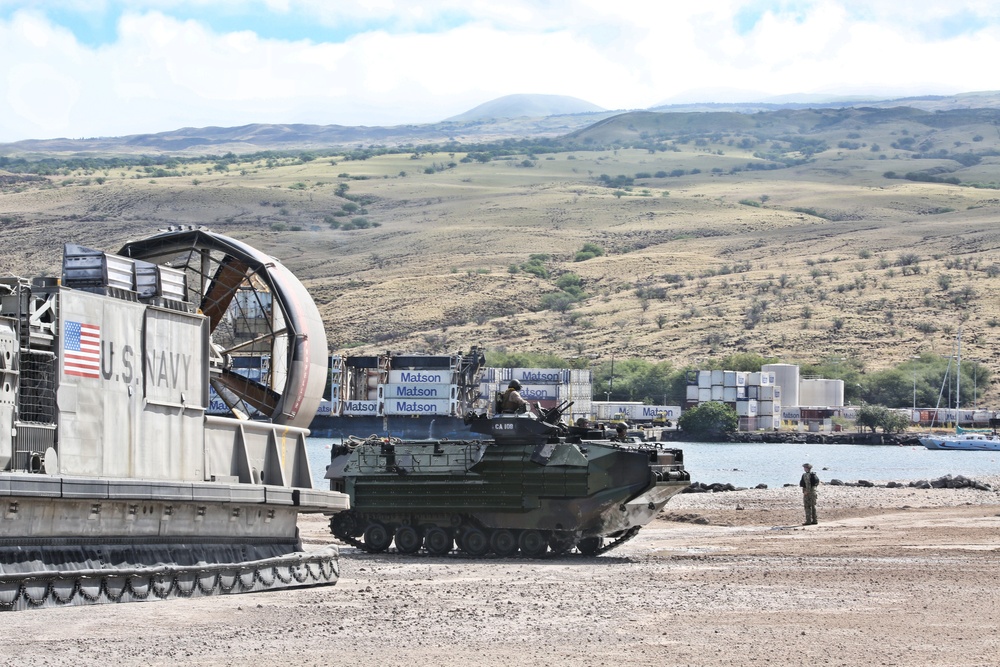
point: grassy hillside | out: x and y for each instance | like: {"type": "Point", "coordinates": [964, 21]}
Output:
{"type": "Point", "coordinates": [781, 236]}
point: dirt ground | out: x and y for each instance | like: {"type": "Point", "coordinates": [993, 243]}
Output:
{"type": "Point", "coordinates": [710, 582]}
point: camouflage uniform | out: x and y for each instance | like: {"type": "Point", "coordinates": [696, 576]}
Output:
{"type": "Point", "coordinates": [511, 400]}
{"type": "Point", "coordinates": [809, 482]}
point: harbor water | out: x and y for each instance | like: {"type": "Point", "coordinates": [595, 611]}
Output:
{"type": "Point", "coordinates": [777, 464]}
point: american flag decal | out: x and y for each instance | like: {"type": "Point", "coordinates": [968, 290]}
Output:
{"type": "Point", "coordinates": [82, 350]}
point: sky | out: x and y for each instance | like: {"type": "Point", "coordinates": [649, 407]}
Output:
{"type": "Point", "coordinates": [89, 68]}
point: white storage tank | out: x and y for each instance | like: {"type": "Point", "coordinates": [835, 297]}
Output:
{"type": "Point", "coordinates": [786, 376]}
{"type": "Point", "coordinates": [821, 393]}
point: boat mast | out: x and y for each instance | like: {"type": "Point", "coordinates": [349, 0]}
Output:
{"type": "Point", "coordinates": [958, 379]}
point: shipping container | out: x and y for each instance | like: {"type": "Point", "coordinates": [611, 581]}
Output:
{"type": "Point", "coordinates": [768, 423]}
{"type": "Point", "coordinates": [606, 410]}
{"type": "Point", "coordinates": [436, 391]}
{"type": "Point", "coordinates": [540, 375]}
{"type": "Point", "coordinates": [353, 408]}
{"type": "Point", "coordinates": [769, 393]}
{"type": "Point", "coordinates": [418, 406]}
{"type": "Point", "coordinates": [648, 412]}
{"type": "Point", "coordinates": [421, 376]}
{"type": "Point", "coordinates": [705, 379]}
{"type": "Point", "coordinates": [746, 408]}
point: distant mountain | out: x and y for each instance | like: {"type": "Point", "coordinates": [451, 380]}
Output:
{"type": "Point", "coordinates": [515, 116]}
{"type": "Point", "coordinates": [977, 100]}
{"type": "Point", "coordinates": [527, 106]}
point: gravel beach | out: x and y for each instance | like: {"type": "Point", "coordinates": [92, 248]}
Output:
{"type": "Point", "coordinates": [898, 576]}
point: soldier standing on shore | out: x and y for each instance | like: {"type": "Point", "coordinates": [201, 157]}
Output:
{"type": "Point", "coordinates": [809, 482]}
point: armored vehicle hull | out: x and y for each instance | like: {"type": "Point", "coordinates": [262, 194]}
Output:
{"type": "Point", "coordinates": [534, 487]}
{"type": "Point", "coordinates": [114, 483]}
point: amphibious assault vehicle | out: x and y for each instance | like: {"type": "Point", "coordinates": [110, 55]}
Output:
{"type": "Point", "coordinates": [534, 486]}
{"type": "Point", "coordinates": [115, 483]}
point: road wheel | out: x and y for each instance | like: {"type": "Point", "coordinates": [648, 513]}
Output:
{"type": "Point", "coordinates": [474, 542]}
{"type": "Point", "coordinates": [437, 541]}
{"type": "Point", "coordinates": [407, 540]}
{"type": "Point", "coordinates": [377, 538]}
{"type": "Point", "coordinates": [532, 543]}
{"type": "Point", "coordinates": [589, 546]}
{"type": "Point", "coordinates": [503, 543]}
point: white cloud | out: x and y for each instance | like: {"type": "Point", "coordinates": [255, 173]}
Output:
{"type": "Point", "coordinates": [163, 72]}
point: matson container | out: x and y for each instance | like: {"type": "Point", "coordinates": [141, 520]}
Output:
{"type": "Point", "coordinates": [420, 377]}
{"type": "Point", "coordinates": [746, 408]}
{"type": "Point", "coordinates": [418, 406]}
{"type": "Point", "coordinates": [390, 391]}
{"type": "Point", "coordinates": [769, 393]}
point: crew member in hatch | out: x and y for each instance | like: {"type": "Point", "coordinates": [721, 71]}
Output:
{"type": "Point", "coordinates": [511, 400]}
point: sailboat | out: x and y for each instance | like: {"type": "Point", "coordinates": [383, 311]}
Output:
{"type": "Point", "coordinates": [961, 440]}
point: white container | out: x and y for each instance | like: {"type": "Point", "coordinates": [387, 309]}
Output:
{"type": "Point", "coordinates": [449, 391]}
{"type": "Point", "coordinates": [753, 379]}
{"type": "Point", "coordinates": [768, 423]}
{"type": "Point", "coordinates": [728, 378]}
{"type": "Point", "coordinates": [746, 408]}
{"type": "Point", "coordinates": [646, 413]}
{"type": "Point", "coordinates": [717, 393]}
{"type": "Point", "coordinates": [361, 409]}
{"type": "Point", "coordinates": [718, 378]}
{"type": "Point", "coordinates": [704, 379]}
{"type": "Point", "coordinates": [436, 376]}
{"type": "Point", "coordinates": [704, 395]}
{"type": "Point", "coordinates": [769, 393]}
{"type": "Point", "coordinates": [539, 392]}
{"type": "Point", "coordinates": [418, 406]}
{"type": "Point", "coordinates": [691, 393]}
{"type": "Point", "coordinates": [540, 375]}
{"type": "Point", "coordinates": [729, 394]}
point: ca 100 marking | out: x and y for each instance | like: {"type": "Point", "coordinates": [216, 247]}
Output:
{"type": "Point", "coordinates": [503, 427]}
